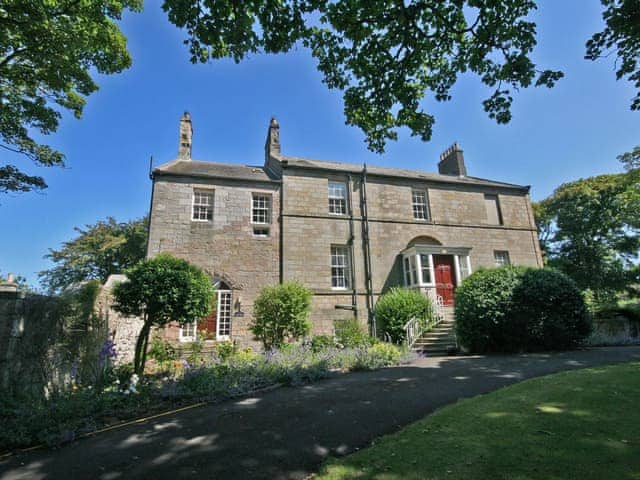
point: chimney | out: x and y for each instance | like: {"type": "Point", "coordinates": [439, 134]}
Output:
{"type": "Point", "coordinates": [186, 136]}
{"type": "Point", "coordinates": [452, 162]}
{"type": "Point", "coordinates": [272, 145]}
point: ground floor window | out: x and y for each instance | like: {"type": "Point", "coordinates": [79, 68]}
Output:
{"type": "Point", "coordinates": [188, 332]}
{"type": "Point", "coordinates": [340, 267]}
{"type": "Point", "coordinates": [501, 258]}
{"type": "Point", "coordinates": [223, 322]}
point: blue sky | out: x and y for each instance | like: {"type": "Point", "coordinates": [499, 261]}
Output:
{"type": "Point", "coordinates": [574, 130]}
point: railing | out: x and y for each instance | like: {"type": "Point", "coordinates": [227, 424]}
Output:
{"type": "Point", "coordinates": [414, 328]}
{"type": "Point", "coordinates": [437, 303]}
{"type": "Point", "coordinates": [412, 331]}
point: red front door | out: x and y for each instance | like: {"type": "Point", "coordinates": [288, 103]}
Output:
{"type": "Point", "coordinates": [444, 270]}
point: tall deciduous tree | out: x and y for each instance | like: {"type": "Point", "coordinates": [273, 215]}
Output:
{"type": "Point", "coordinates": [387, 56]}
{"type": "Point", "coordinates": [47, 51]}
{"type": "Point", "coordinates": [631, 159]}
{"type": "Point", "coordinates": [592, 229]}
{"type": "Point", "coordinates": [161, 290]}
{"type": "Point", "coordinates": [98, 251]}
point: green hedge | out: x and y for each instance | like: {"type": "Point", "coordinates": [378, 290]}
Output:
{"type": "Point", "coordinates": [513, 309]}
{"type": "Point", "coordinates": [396, 307]}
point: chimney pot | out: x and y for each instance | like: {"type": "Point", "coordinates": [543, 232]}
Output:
{"type": "Point", "coordinates": [452, 162]}
{"type": "Point", "coordinates": [272, 145]}
{"type": "Point", "coordinates": [186, 137]}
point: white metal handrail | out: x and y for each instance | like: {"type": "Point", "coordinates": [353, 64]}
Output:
{"type": "Point", "coordinates": [414, 328]}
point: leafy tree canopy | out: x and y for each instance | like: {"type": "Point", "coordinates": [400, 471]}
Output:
{"type": "Point", "coordinates": [631, 159]}
{"type": "Point", "coordinates": [98, 251]}
{"type": "Point", "coordinates": [161, 290]}
{"type": "Point", "coordinates": [590, 229]}
{"type": "Point", "coordinates": [47, 50]}
{"type": "Point", "coordinates": [387, 56]}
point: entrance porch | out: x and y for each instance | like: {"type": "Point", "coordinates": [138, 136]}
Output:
{"type": "Point", "coordinates": [436, 270]}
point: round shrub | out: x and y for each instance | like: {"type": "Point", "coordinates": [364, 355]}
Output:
{"type": "Point", "coordinates": [553, 309]}
{"type": "Point", "coordinates": [281, 312]}
{"type": "Point", "coordinates": [396, 307]}
{"type": "Point", "coordinates": [482, 304]}
{"type": "Point", "coordinates": [512, 309]}
{"type": "Point", "coordinates": [351, 334]}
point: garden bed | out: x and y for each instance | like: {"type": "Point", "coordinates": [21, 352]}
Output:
{"type": "Point", "coordinates": [65, 416]}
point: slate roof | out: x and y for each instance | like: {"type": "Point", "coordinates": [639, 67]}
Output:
{"type": "Point", "coordinates": [196, 168]}
{"type": "Point", "coordinates": [308, 163]}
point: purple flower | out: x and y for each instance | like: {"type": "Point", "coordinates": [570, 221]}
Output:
{"type": "Point", "coordinates": [108, 351]}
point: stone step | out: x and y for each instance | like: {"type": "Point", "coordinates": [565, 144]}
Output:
{"type": "Point", "coordinates": [435, 335]}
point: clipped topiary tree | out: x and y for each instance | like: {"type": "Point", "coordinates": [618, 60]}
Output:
{"type": "Point", "coordinates": [281, 312]}
{"type": "Point", "coordinates": [482, 306]}
{"type": "Point", "coordinates": [161, 290]}
{"type": "Point", "coordinates": [396, 307]}
{"type": "Point", "coordinates": [553, 309]}
{"type": "Point", "coordinates": [512, 309]}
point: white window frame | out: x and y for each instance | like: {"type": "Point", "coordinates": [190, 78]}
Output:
{"type": "Point", "coordinates": [197, 204]}
{"type": "Point", "coordinates": [413, 260]}
{"type": "Point", "coordinates": [223, 310]}
{"type": "Point", "coordinates": [420, 206]}
{"type": "Point", "coordinates": [504, 254]}
{"type": "Point", "coordinates": [185, 336]}
{"type": "Point", "coordinates": [338, 251]}
{"type": "Point", "coordinates": [261, 206]}
{"type": "Point", "coordinates": [337, 199]}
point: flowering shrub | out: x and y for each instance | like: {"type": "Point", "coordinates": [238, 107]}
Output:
{"type": "Point", "coordinates": [26, 422]}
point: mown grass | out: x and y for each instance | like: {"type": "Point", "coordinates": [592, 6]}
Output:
{"type": "Point", "coordinates": [581, 424]}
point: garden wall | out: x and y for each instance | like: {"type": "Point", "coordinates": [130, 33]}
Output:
{"type": "Point", "coordinates": [46, 341]}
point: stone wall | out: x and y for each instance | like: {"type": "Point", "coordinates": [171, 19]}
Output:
{"type": "Point", "coordinates": [458, 219]}
{"type": "Point", "coordinates": [122, 330]}
{"type": "Point", "coordinates": [43, 339]}
{"type": "Point", "coordinates": [226, 247]}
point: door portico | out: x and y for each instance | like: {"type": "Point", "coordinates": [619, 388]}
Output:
{"type": "Point", "coordinates": [436, 269]}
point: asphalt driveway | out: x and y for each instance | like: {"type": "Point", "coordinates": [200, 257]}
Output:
{"type": "Point", "coordinates": [286, 433]}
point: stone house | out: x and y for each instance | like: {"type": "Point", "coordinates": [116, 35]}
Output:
{"type": "Point", "coordinates": [346, 231]}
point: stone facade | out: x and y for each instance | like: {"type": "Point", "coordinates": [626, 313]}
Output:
{"type": "Point", "coordinates": [301, 231]}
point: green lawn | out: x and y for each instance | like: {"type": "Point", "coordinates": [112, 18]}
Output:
{"type": "Point", "coordinates": [582, 425]}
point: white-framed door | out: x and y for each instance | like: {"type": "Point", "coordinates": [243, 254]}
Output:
{"type": "Point", "coordinates": [223, 320]}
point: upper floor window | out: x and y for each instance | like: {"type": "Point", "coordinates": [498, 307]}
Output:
{"type": "Point", "coordinates": [501, 258]}
{"type": "Point", "coordinates": [337, 198]}
{"type": "Point", "coordinates": [202, 205]}
{"type": "Point", "coordinates": [261, 209]}
{"type": "Point", "coordinates": [340, 267]}
{"type": "Point", "coordinates": [491, 203]}
{"type": "Point", "coordinates": [419, 204]}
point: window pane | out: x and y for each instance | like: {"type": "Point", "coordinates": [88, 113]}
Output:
{"type": "Point", "coordinates": [414, 277]}
{"type": "Point", "coordinates": [340, 267]}
{"type": "Point", "coordinates": [261, 209]}
{"type": "Point", "coordinates": [407, 271]}
{"type": "Point", "coordinates": [426, 271]}
{"type": "Point", "coordinates": [419, 204]}
{"type": "Point", "coordinates": [464, 266]}
{"type": "Point", "coordinates": [501, 257]}
{"type": "Point", "coordinates": [338, 198]}
{"type": "Point", "coordinates": [224, 314]}
{"type": "Point", "coordinates": [202, 205]}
